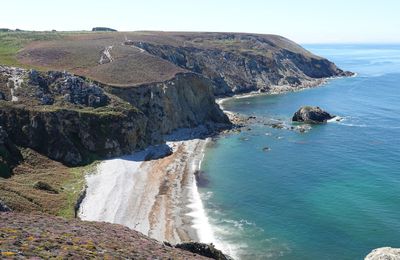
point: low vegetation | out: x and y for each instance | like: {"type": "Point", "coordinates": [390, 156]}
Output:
{"type": "Point", "coordinates": [12, 42]}
{"type": "Point", "coordinates": [47, 237]}
{"type": "Point", "coordinates": [40, 184]}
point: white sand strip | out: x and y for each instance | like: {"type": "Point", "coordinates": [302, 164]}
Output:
{"type": "Point", "coordinates": [148, 196]}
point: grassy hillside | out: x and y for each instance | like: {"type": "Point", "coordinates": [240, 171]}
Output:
{"type": "Point", "coordinates": [41, 184]}
{"type": "Point", "coordinates": [12, 42]}
{"type": "Point", "coordinates": [83, 53]}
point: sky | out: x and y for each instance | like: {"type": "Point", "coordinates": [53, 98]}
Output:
{"type": "Point", "coordinates": [304, 21]}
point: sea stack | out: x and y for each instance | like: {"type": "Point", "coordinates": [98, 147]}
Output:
{"type": "Point", "coordinates": [312, 115]}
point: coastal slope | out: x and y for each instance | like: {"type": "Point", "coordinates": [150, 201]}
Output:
{"type": "Point", "coordinates": [45, 236]}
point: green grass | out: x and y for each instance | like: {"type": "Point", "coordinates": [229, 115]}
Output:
{"type": "Point", "coordinates": [12, 42]}
{"type": "Point", "coordinates": [73, 187]}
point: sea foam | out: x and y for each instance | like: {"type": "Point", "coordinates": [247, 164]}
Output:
{"type": "Point", "coordinates": [200, 220]}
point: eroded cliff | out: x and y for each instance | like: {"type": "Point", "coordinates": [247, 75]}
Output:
{"type": "Point", "coordinates": [238, 63]}
{"type": "Point", "coordinates": [75, 120]}
{"type": "Point", "coordinates": [185, 101]}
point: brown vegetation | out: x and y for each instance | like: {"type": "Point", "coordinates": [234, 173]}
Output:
{"type": "Point", "coordinates": [80, 53]}
{"type": "Point", "coordinates": [21, 191]}
{"type": "Point", "coordinates": [47, 237]}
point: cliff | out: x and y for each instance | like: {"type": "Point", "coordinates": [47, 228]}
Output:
{"type": "Point", "coordinates": [238, 63]}
{"type": "Point", "coordinates": [74, 120]}
{"type": "Point", "coordinates": [185, 101]}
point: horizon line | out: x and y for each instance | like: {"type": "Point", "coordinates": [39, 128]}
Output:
{"type": "Point", "coordinates": [201, 31]}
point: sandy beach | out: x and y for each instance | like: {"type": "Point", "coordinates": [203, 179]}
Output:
{"type": "Point", "coordinates": [158, 197]}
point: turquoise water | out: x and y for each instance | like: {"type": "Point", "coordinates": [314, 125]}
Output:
{"type": "Point", "coordinates": [330, 193]}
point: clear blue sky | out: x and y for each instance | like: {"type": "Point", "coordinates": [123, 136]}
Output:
{"type": "Point", "coordinates": [304, 21]}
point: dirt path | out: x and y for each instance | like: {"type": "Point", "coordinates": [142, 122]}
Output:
{"type": "Point", "coordinates": [106, 55]}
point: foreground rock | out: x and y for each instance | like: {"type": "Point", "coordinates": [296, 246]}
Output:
{"type": "Point", "coordinates": [384, 253]}
{"type": "Point", "coordinates": [4, 207]}
{"type": "Point", "coordinates": [203, 249]}
{"type": "Point", "coordinates": [312, 115]}
{"type": "Point", "coordinates": [29, 236]}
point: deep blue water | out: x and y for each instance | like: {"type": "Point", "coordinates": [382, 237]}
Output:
{"type": "Point", "coordinates": [330, 193]}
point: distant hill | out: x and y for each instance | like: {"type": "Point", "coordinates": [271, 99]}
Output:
{"type": "Point", "coordinates": [103, 29]}
{"type": "Point", "coordinates": [235, 62]}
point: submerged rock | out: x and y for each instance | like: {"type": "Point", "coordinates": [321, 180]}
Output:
{"type": "Point", "coordinates": [313, 115]}
{"type": "Point", "coordinates": [384, 253]}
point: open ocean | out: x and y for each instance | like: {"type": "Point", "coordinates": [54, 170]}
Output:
{"type": "Point", "coordinates": [330, 193]}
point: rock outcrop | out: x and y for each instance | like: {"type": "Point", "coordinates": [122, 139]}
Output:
{"type": "Point", "coordinates": [53, 87]}
{"type": "Point", "coordinates": [384, 253]}
{"type": "Point", "coordinates": [4, 207]}
{"type": "Point", "coordinates": [204, 250]}
{"type": "Point", "coordinates": [312, 115]}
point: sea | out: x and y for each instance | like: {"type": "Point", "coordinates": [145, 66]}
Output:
{"type": "Point", "coordinates": [332, 192]}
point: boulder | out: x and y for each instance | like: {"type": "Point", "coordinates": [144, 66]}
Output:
{"type": "Point", "coordinates": [4, 207]}
{"type": "Point", "coordinates": [207, 250]}
{"type": "Point", "coordinates": [313, 115]}
{"type": "Point", "coordinates": [44, 186]}
{"type": "Point", "coordinates": [158, 152]}
{"type": "Point", "coordinates": [384, 253]}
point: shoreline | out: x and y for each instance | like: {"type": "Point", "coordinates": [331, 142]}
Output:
{"type": "Point", "coordinates": [279, 89]}
{"type": "Point", "coordinates": [154, 197]}
{"type": "Point", "coordinates": [236, 119]}
{"type": "Point", "coordinates": [160, 197]}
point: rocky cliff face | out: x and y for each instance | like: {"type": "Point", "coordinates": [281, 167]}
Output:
{"type": "Point", "coordinates": [184, 101]}
{"type": "Point", "coordinates": [74, 137]}
{"type": "Point", "coordinates": [73, 120]}
{"type": "Point", "coordinates": [239, 63]}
